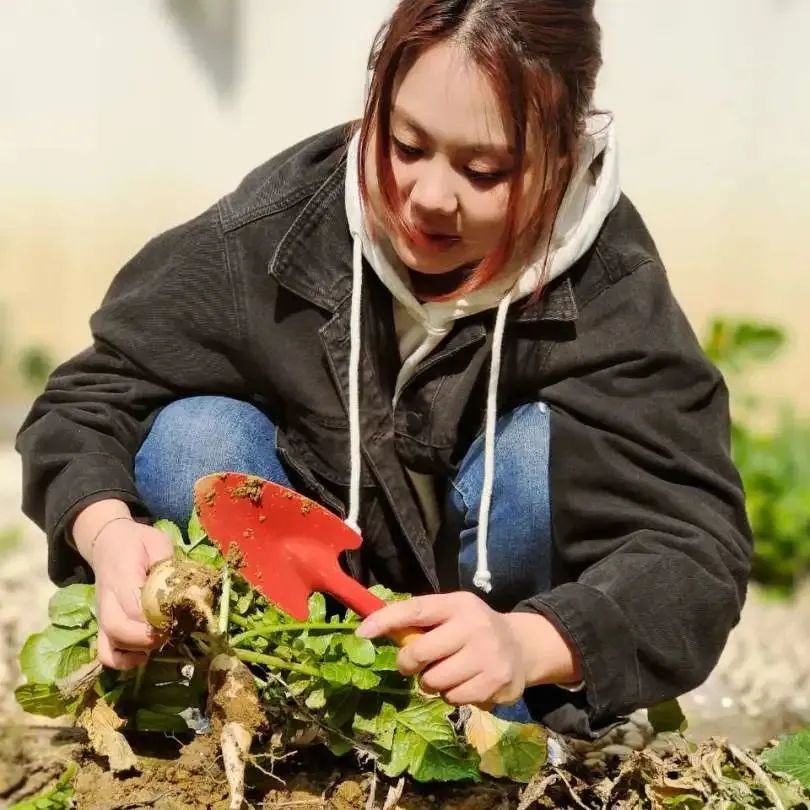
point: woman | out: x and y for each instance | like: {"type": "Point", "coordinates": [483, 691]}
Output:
{"type": "Point", "coordinates": [455, 331]}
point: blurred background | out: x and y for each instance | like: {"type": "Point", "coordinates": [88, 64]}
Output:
{"type": "Point", "coordinates": [120, 120]}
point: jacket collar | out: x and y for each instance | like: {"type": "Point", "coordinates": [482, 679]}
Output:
{"type": "Point", "coordinates": [313, 259]}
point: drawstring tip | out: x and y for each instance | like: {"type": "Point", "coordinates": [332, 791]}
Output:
{"type": "Point", "coordinates": [483, 581]}
{"type": "Point", "coordinates": [352, 524]}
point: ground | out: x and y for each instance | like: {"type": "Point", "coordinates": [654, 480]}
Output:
{"type": "Point", "coordinates": [759, 689]}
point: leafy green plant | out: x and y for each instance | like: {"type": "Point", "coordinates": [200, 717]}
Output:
{"type": "Point", "coordinates": [774, 463]}
{"type": "Point", "coordinates": [35, 364]}
{"type": "Point", "coordinates": [59, 797]}
{"type": "Point", "coordinates": [792, 757]}
{"type": "Point", "coordinates": [10, 538]}
{"type": "Point", "coordinates": [313, 679]}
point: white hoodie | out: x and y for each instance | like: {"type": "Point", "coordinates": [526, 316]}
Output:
{"type": "Point", "coordinates": [592, 193]}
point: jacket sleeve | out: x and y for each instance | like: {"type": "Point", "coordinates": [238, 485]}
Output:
{"type": "Point", "coordinates": [169, 326]}
{"type": "Point", "coordinates": [648, 511]}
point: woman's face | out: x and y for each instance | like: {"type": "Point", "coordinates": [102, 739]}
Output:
{"type": "Point", "coordinates": [452, 161]}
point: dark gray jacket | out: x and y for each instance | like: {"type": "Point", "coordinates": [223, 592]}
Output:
{"type": "Point", "coordinates": [251, 300]}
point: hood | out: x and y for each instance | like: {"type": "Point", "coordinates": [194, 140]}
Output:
{"type": "Point", "coordinates": [592, 193]}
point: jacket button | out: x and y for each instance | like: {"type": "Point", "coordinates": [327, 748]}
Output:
{"type": "Point", "coordinates": [413, 421]}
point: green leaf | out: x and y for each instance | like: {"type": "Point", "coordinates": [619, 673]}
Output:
{"type": "Point", "coordinates": [667, 716]}
{"type": "Point", "coordinates": [338, 745]}
{"type": "Point", "coordinates": [684, 801]}
{"type": "Point", "coordinates": [735, 344]}
{"type": "Point", "coordinates": [318, 643]}
{"type": "Point", "coordinates": [59, 797]}
{"type": "Point", "coordinates": [375, 722]}
{"type": "Point", "coordinates": [341, 705]}
{"type": "Point", "coordinates": [41, 655]}
{"type": "Point", "coordinates": [173, 531]}
{"type": "Point", "coordinates": [299, 685]}
{"type": "Point", "coordinates": [196, 533]}
{"type": "Point", "coordinates": [316, 699]}
{"type": "Point", "coordinates": [386, 659]}
{"type": "Point", "coordinates": [244, 603]}
{"type": "Point", "coordinates": [73, 606]}
{"type": "Point", "coordinates": [71, 659]}
{"type": "Point", "coordinates": [317, 608]}
{"type": "Point", "coordinates": [206, 555]}
{"type": "Point", "coordinates": [513, 750]}
{"type": "Point", "coordinates": [164, 685]}
{"type": "Point", "coordinates": [791, 756]}
{"type": "Point", "coordinates": [165, 719]}
{"type": "Point", "coordinates": [44, 699]}
{"type": "Point", "coordinates": [387, 595]}
{"type": "Point", "coordinates": [426, 746]}
{"type": "Point", "coordinates": [337, 672]}
{"type": "Point", "coordinates": [359, 650]}
{"type": "Point", "coordinates": [365, 678]}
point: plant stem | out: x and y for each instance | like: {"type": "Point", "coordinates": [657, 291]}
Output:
{"type": "Point", "coordinates": [224, 601]}
{"type": "Point", "coordinates": [238, 620]}
{"type": "Point", "coordinates": [266, 629]}
{"type": "Point", "coordinates": [279, 663]}
{"type": "Point", "coordinates": [136, 689]}
{"type": "Point", "coordinates": [274, 662]}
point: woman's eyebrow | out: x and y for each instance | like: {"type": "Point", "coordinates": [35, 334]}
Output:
{"type": "Point", "coordinates": [471, 148]}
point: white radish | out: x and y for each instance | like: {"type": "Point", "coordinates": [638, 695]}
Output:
{"type": "Point", "coordinates": [178, 596]}
{"type": "Point", "coordinates": [236, 715]}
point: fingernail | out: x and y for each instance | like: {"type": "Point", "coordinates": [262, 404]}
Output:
{"type": "Point", "coordinates": [368, 629]}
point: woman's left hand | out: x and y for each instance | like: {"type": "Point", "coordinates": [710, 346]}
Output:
{"type": "Point", "coordinates": [474, 654]}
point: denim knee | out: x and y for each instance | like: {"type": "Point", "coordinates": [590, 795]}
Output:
{"type": "Point", "coordinates": [197, 436]}
{"type": "Point", "coordinates": [519, 542]}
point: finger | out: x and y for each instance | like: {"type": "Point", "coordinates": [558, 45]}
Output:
{"type": "Point", "coordinates": [158, 547]}
{"type": "Point", "coordinates": [117, 659]}
{"type": "Point", "coordinates": [421, 611]}
{"type": "Point", "coordinates": [450, 673]}
{"type": "Point", "coordinates": [483, 689]}
{"type": "Point", "coordinates": [441, 642]}
{"type": "Point", "coordinates": [476, 690]}
{"type": "Point", "coordinates": [130, 600]}
{"type": "Point", "coordinates": [126, 633]}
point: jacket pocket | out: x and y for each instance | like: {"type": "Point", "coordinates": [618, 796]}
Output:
{"type": "Point", "coordinates": [322, 446]}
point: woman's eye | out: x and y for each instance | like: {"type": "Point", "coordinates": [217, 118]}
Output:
{"type": "Point", "coordinates": [406, 150]}
{"type": "Point", "coordinates": [486, 177]}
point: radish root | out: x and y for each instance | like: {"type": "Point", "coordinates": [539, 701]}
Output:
{"type": "Point", "coordinates": [178, 597]}
{"type": "Point", "coordinates": [236, 716]}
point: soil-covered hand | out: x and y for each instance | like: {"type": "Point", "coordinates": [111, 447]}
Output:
{"type": "Point", "coordinates": [474, 654]}
{"type": "Point", "coordinates": [121, 552]}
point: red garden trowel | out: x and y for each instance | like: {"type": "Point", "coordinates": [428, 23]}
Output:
{"type": "Point", "coordinates": [286, 544]}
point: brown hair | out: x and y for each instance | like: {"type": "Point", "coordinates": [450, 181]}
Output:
{"type": "Point", "coordinates": [541, 57]}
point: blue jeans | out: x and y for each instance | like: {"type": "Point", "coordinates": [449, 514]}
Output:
{"type": "Point", "coordinates": [200, 435]}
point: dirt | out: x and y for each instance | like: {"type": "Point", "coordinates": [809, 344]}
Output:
{"type": "Point", "coordinates": [235, 557]}
{"type": "Point", "coordinates": [189, 776]}
{"type": "Point", "coordinates": [232, 695]}
{"type": "Point", "coordinates": [189, 588]}
{"type": "Point", "coordinates": [250, 489]}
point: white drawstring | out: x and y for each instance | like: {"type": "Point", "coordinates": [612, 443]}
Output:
{"type": "Point", "coordinates": [483, 578]}
{"type": "Point", "coordinates": [354, 387]}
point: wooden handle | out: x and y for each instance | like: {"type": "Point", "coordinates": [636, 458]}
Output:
{"type": "Point", "coordinates": [405, 635]}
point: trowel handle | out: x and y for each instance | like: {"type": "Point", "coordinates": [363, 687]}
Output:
{"type": "Point", "coordinates": [363, 602]}
{"type": "Point", "coordinates": [405, 635]}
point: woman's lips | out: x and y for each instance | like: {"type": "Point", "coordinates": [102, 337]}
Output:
{"type": "Point", "coordinates": [434, 241]}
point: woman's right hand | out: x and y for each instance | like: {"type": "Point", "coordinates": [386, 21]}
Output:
{"type": "Point", "coordinates": [121, 553]}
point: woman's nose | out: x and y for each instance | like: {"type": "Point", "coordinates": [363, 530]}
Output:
{"type": "Point", "coordinates": [432, 193]}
